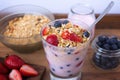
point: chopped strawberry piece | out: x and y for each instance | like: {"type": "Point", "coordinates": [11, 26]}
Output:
{"type": "Point", "coordinates": [71, 36]}
{"type": "Point", "coordinates": [65, 35]}
{"type": "Point", "coordinates": [77, 52]}
{"type": "Point", "coordinates": [3, 77]}
{"type": "Point", "coordinates": [15, 75]}
{"type": "Point", "coordinates": [45, 31]}
{"type": "Point", "coordinates": [27, 70]}
{"type": "Point", "coordinates": [79, 64]}
{"type": "Point", "coordinates": [3, 69]}
{"type": "Point", "coordinates": [52, 39]}
{"type": "Point", "coordinates": [74, 37]}
{"type": "Point", "coordinates": [13, 62]}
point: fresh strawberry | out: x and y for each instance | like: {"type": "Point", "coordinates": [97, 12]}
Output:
{"type": "Point", "coordinates": [79, 63]}
{"type": "Point", "coordinates": [45, 31]}
{"type": "Point", "coordinates": [13, 62]}
{"type": "Point", "coordinates": [27, 70]}
{"type": "Point", "coordinates": [65, 35]}
{"type": "Point", "coordinates": [3, 69]}
{"type": "Point", "coordinates": [15, 75]}
{"type": "Point", "coordinates": [74, 37]}
{"type": "Point", "coordinates": [71, 36]}
{"type": "Point", "coordinates": [52, 39]}
{"type": "Point", "coordinates": [3, 77]}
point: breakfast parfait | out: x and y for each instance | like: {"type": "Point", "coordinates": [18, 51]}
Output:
{"type": "Point", "coordinates": [65, 44]}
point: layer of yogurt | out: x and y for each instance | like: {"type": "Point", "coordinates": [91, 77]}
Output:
{"type": "Point", "coordinates": [65, 45]}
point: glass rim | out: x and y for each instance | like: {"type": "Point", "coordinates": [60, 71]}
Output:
{"type": "Point", "coordinates": [24, 5]}
{"type": "Point", "coordinates": [67, 48]}
{"type": "Point", "coordinates": [29, 6]}
{"type": "Point", "coordinates": [83, 5]}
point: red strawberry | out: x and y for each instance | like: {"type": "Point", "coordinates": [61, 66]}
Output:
{"type": "Point", "coordinates": [52, 39]}
{"type": "Point", "coordinates": [45, 31]}
{"type": "Point", "coordinates": [15, 75]}
{"type": "Point", "coordinates": [79, 64]}
{"type": "Point", "coordinates": [3, 69]}
{"type": "Point", "coordinates": [74, 37]}
{"type": "Point", "coordinates": [13, 62]}
{"type": "Point", "coordinates": [65, 35]}
{"type": "Point", "coordinates": [27, 70]}
{"type": "Point", "coordinates": [3, 77]}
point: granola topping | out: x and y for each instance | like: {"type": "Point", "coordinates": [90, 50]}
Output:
{"type": "Point", "coordinates": [25, 26]}
{"type": "Point", "coordinates": [68, 35]}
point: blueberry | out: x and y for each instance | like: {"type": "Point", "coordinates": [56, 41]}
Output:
{"type": "Point", "coordinates": [71, 75]}
{"type": "Point", "coordinates": [53, 69]}
{"type": "Point", "coordinates": [103, 67]}
{"type": "Point", "coordinates": [114, 37]}
{"type": "Point", "coordinates": [69, 53]}
{"type": "Point", "coordinates": [115, 62]}
{"type": "Point", "coordinates": [106, 38]}
{"type": "Point", "coordinates": [77, 59]}
{"type": "Point", "coordinates": [112, 41]}
{"type": "Point", "coordinates": [104, 60]}
{"type": "Point", "coordinates": [108, 41]}
{"type": "Point", "coordinates": [109, 65]}
{"type": "Point", "coordinates": [99, 44]}
{"type": "Point", "coordinates": [114, 47]}
{"type": "Point", "coordinates": [58, 24]}
{"type": "Point", "coordinates": [108, 62]}
{"type": "Point", "coordinates": [61, 67]}
{"type": "Point", "coordinates": [86, 34]}
{"type": "Point", "coordinates": [106, 46]}
{"type": "Point", "coordinates": [103, 38]}
{"type": "Point", "coordinates": [65, 22]}
{"type": "Point", "coordinates": [68, 65]}
{"type": "Point", "coordinates": [97, 61]}
{"type": "Point", "coordinates": [68, 71]}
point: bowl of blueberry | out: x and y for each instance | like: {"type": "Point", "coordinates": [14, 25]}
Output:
{"type": "Point", "coordinates": [106, 51]}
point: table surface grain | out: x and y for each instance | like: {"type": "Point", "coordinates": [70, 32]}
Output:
{"type": "Point", "coordinates": [89, 71]}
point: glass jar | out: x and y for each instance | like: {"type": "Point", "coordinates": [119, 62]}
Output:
{"type": "Point", "coordinates": [82, 12]}
{"type": "Point", "coordinates": [103, 58]}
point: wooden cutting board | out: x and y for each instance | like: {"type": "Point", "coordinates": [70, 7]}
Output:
{"type": "Point", "coordinates": [39, 68]}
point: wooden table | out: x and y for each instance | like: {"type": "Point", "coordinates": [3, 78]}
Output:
{"type": "Point", "coordinates": [90, 72]}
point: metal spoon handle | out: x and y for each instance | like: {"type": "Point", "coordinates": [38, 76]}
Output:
{"type": "Point", "coordinates": [103, 14]}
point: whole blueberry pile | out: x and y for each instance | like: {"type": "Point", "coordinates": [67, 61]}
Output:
{"type": "Point", "coordinates": [108, 43]}
{"type": "Point", "coordinates": [105, 62]}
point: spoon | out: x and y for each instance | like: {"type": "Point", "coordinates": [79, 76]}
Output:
{"type": "Point", "coordinates": [108, 8]}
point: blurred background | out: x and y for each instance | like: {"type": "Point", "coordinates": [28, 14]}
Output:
{"type": "Point", "coordinates": [63, 6]}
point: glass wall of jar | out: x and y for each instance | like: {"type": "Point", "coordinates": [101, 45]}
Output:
{"type": "Point", "coordinates": [106, 52]}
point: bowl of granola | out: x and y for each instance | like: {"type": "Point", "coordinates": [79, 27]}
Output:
{"type": "Point", "coordinates": [20, 27]}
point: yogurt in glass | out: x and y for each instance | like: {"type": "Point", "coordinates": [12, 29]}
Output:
{"type": "Point", "coordinates": [65, 43]}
